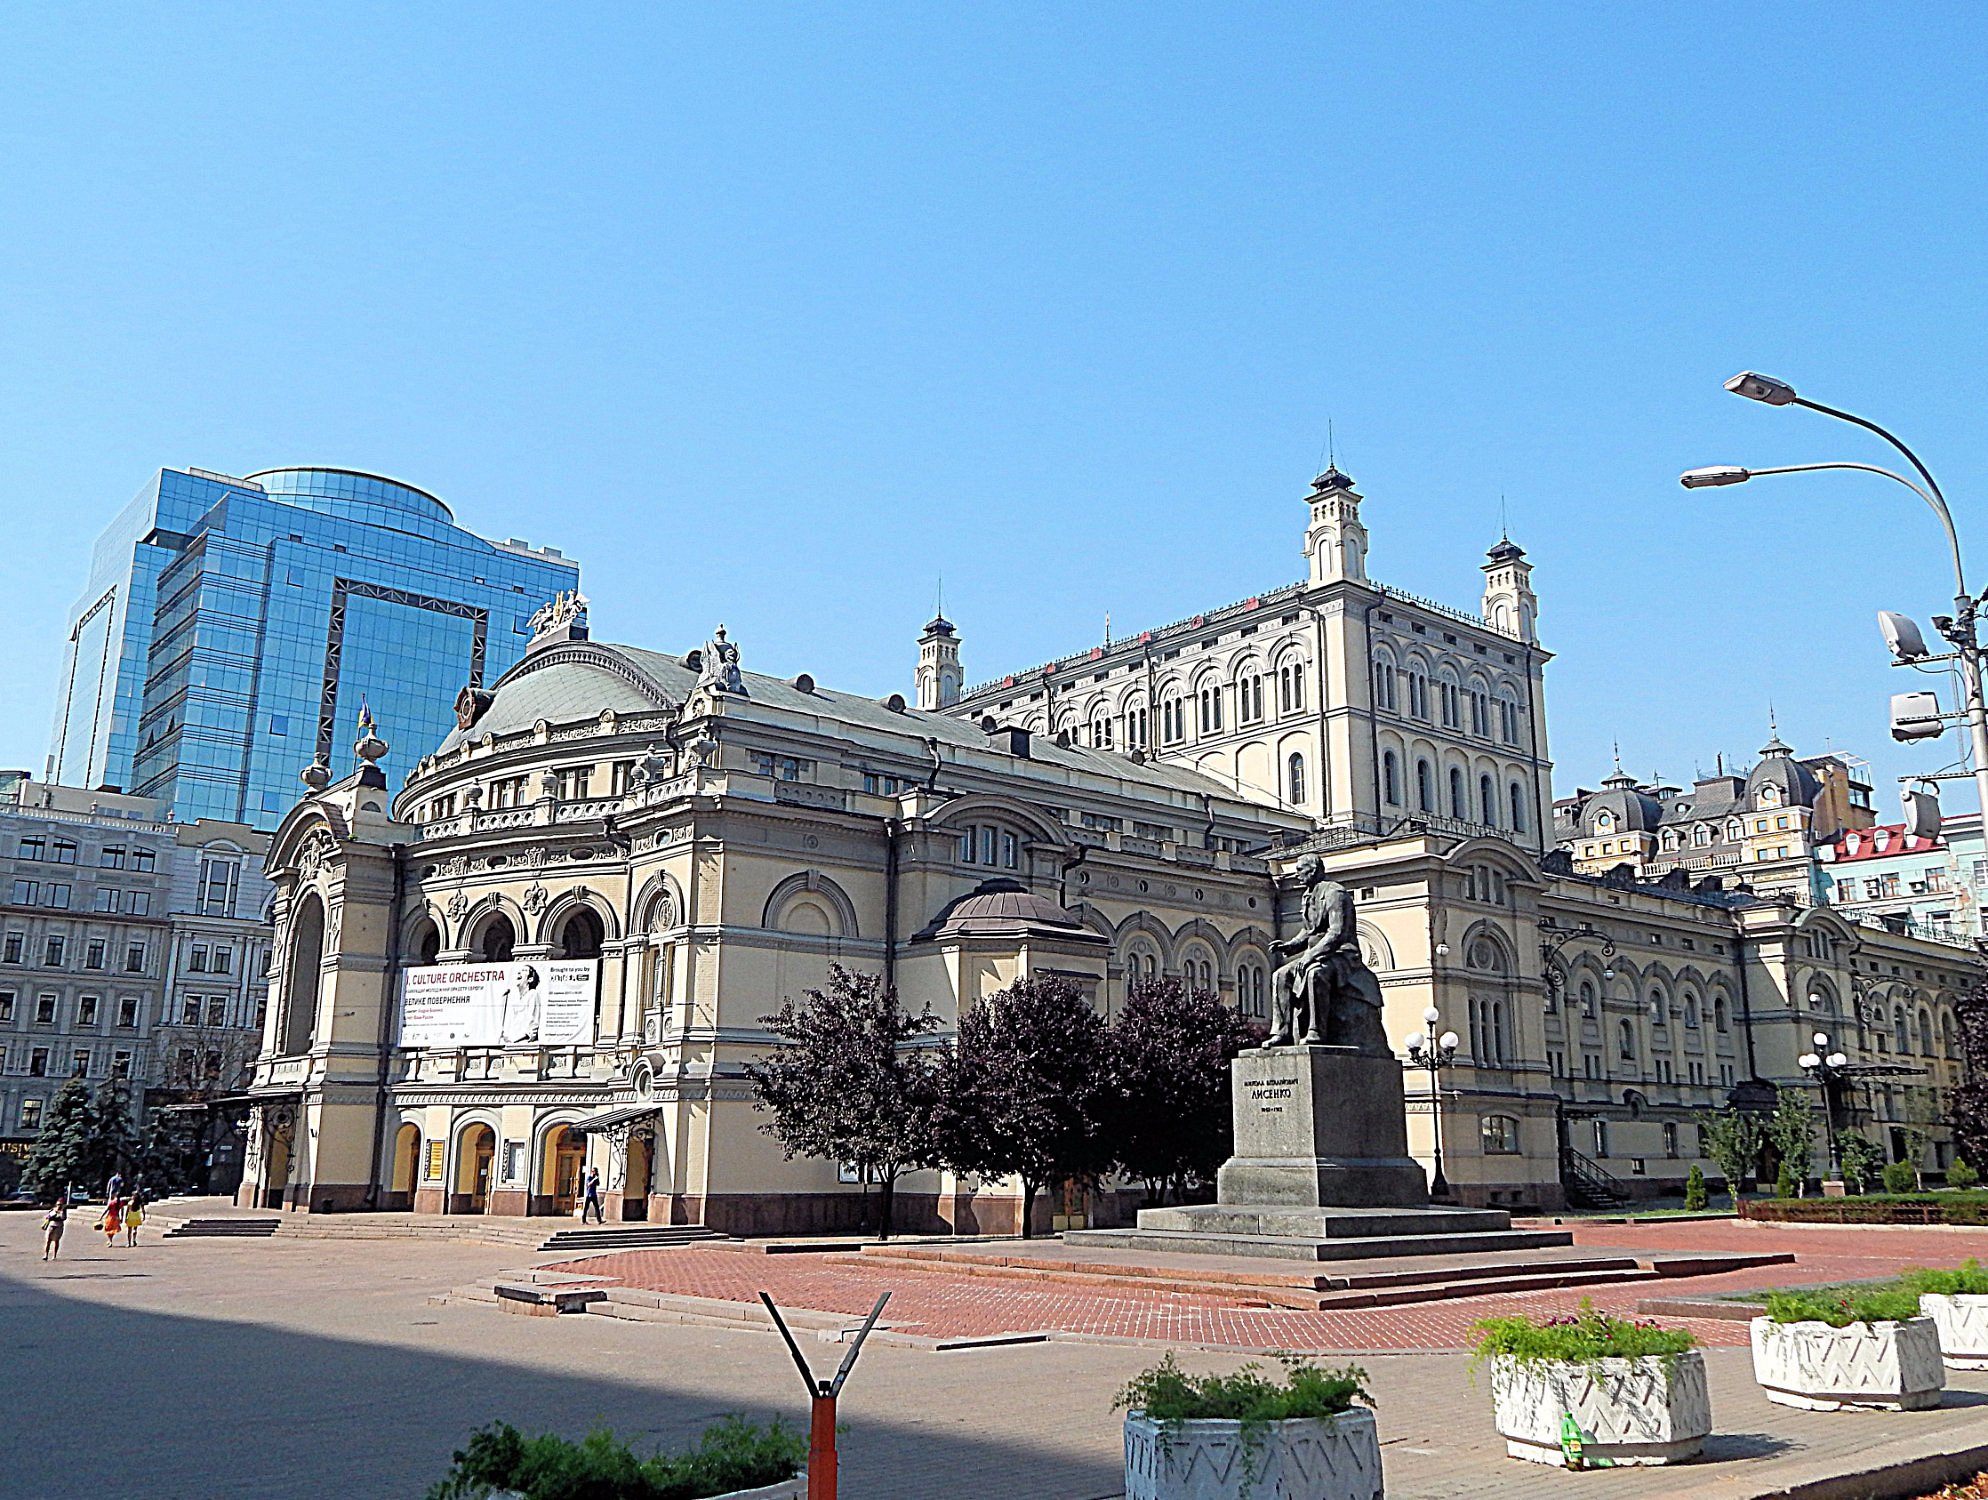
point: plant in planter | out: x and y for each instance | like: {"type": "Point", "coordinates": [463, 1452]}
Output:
{"type": "Point", "coordinates": [733, 1460]}
{"type": "Point", "coordinates": [1957, 1302]}
{"type": "Point", "coordinates": [1841, 1350]}
{"type": "Point", "coordinates": [1592, 1391]}
{"type": "Point", "coordinates": [1229, 1437]}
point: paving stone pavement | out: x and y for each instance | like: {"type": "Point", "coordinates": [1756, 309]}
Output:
{"type": "Point", "coordinates": [216, 1369]}
{"type": "Point", "coordinates": [940, 1304]}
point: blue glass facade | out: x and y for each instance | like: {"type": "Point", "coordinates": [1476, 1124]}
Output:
{"type": "Point", "coordinates": [232, 628]}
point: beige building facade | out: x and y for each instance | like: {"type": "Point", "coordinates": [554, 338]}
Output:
{"type": "Point", "coordinates": [710, 840]}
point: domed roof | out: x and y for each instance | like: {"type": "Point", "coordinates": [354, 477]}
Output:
{"type": "Point", "coordinates": [1002, 907]}
{"type": "Point", "coordinates": [1630, 808]}
{"type": "Point", "coordinates": [1793, 783]}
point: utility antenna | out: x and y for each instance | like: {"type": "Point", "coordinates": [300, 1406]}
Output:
{"type": "Point", "coordinates": [940, 611]}
{"type": "Point", "coordinates": [1107, 627]}
{"type": "Point", "coordinates": [1616, 745]}
{"type": "Point", "coordinates": [1331, 452]}
{"type": "Point", "coordinates": [1504, 523]}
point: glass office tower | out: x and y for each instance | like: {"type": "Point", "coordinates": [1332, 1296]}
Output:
{"type": "Point", "coordinates": [233, 628]}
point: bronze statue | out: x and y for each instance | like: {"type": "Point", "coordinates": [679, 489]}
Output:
{"type": "Point", "coordinates": [1325, 995]}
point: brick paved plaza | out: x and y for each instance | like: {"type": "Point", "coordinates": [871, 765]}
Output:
{"type": "Point", "coordinates": [218, 1368]}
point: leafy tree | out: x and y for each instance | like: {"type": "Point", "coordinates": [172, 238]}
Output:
{"type": "Point", "coordinates": [1961, 1175]}
{"type": "Point", "coordinates": [1899, 1177]}
{"type": "Point", "coordinates": [1023, 1091]}
{"type": "Point", "coordinates": [1784, 1181]}
{"type": "Point", "coordinates": [1167, 1115]}
{"type": "Point", "coordinates": [1733, 1139]}
{"type": "Point", "coordinates": [1967, 1101]}
{"type": "Point", "coordinates": [851, 1082]}
{"type": "Point", "coordinates": [82, 1140]}
{"type": "Point", "coordinates": [1921, 1116]}
{"type": "Point", "coordinates": [1695, 1197]}
{"type": "Point", "coordinates": [1861, 1160]}
{"type": "Point", "coordinates": [1791, 1130]}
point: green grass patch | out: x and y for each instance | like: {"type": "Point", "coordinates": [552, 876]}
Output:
{"type": "Point", "coordinates": [1167, 1393]}
{"type": "Point", "coordinates": [1968, 1279]}
{"type": "Point", "coordinates": [733, 1455]}
{"type": "Point", "coordinates": [1965, 1280]}
{"type": "Point", "coordinates": [1579, 1339]}
{"type": "Point", "coordinates": [1871, 1304]}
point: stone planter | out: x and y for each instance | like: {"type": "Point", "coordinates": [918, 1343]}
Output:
{"type": "Point", "coordinates": [1652, 1410]}
{"type": "Point", "coordinates": [1309, 1458]}
{"type": "Point", "coordinates": [787, 1489]}
{"type": "Point", "coordinates": [1963, 1326]}
{"type": "Point", "coordinates": [1887, 1366]}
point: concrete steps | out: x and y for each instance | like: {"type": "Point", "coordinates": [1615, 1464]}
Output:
{"type": "Point", "coordinates": [1280, 1247]}
{"type": "Point", "coordinates": [197, 1228]}
{"type": "Point", "coordinates": [605, 1239]}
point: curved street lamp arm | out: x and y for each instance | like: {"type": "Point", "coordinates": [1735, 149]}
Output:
{"type": "Point", "coordinates": [1937, 500]}
{"type": "Point", "coordinates": [1933, 499]}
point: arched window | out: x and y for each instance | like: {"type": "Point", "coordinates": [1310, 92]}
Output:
{"type": "Point", "coordinates": [581, 934]}
{"type": "Point", "coordinates": [1249, 697]}
{"type": "Point", "coordinates": [1947, 1047]}
{"type": "Point", "coordinates": [1925, 1033]}
{"type": "Point", "coordinates": [1659, 1008]}
{"type": "Point", "coordinates": [1418, 691]}
{"type": "Point", "coordinates": [1385, 684]}
{"type": "Point", "coordinates": [1449, 701]}
{"type": "Point", "coordinates": [1499, 1135]}
{"type": "Point", "coordinates": [1518, 808]}
{"type": "Point", "coordinates": [1425, 786]}
{"type": "Point", "coordinates": [1701, 837]}
{"type": "Point", "coordinates": [496, 939]}
{"type": "Point", "coordinates": [1719, 1021]}
{"type": "Point", "coordinates": [304, 976]}
{"type": "Point", "coordinates": [1587, 998]}
{"type": "Point", "coordinates": [1294, 770]}
{"type": "Point", "coordinates": [1101, 731]}
{"type": "Point", "coordinates": [1901, 1031]}
{"type": "Point", "coordinates": [1391, 778]}
{"type": "Point", "coordinates": [1625, 1041]}
{"type": "Point", "coordinates": [1459, 802]}
{"type": "Point", "coordinates": [1173, 721]}
{"type": "Point", "coordinates": [1487, 798]}
{"type": "Point", "coordinates": [427, 944]}
{"type": "Point", "coordinates": [1690, 1012]}
{"type": "Point", "coordinates": [1508, 717]}
{"type": "Point", "coordinates": [1136, 727]}
{"type": "Point", "coordinates": [1211, 709]}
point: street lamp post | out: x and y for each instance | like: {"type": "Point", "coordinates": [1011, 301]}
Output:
{"type": "Point", "coordinates": [1827, 1068]}
{"type": "Point", "coordinates": [1961, 630]}
{"type": "Point", "coordinates": [1433, 1053]}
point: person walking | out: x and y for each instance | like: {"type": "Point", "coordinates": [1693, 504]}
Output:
{"type": "Point", "coordinates": [113, 1216]}
{"type": "Point", "coordinates": [593, 1197]}
{"type": "Point", "coordinates": [52, 1225]}
{"type": "Point", "coordinates": [134, 1215]}
{"type": "Point", "coordinates": [114, 1189]}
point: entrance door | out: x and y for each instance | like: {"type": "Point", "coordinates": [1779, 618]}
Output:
{"type": "Point", "coordinates": [406, 1164]}
{"type": "Point", "coordinates": [635, 1196]}
{"type": "Point", "coordinates": [566, 1156]}
{"type": "Point", "coordinates": [477, 1154]}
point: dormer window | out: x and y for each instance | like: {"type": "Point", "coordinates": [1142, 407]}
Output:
{"type": "Point", "coordinates": [1769, 796]}
{"type": "Point", "coordinates": [1605, 822]}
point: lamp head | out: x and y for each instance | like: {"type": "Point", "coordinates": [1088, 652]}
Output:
{"type": "Point", "coordinates": [1808, 1060]}
{"type": "Point", "coordinates": [1447, 1041]}
{"type": "Point", "coordinates": [1717, 474]}
{"type": "Point", "coordinates": [1432, 1016]}
{"type": "Point", "coordinates": [1765, 388]}
{"type": "Point", "coordinates": [1821, 1040]}
{"type": "Point", "coordinates": [1608, 973]}
{"type": "Point", "coordinates": [1412, 1043]}
{"type": "Point", "coordinates": [1837, 1059]}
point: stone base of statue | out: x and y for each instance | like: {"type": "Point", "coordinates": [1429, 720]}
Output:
{"type": "Point", "coordinates": [1321, 1172]}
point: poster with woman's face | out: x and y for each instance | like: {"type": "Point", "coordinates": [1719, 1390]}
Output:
{"type": "Point", "coordinates": [546, 1003]}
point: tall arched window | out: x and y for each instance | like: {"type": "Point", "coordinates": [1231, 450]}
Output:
{"type": "Point", "coordinates": [496, 939]}
{"type": "Point", "coordinates": [1925, 1033]}
{"type": "Point", "coordinates": [1294, 771]}
{"type": "Point", "coordinates": [304, 976]}
{"type": "Point", "coordinates": [1487, 798]}
{"type": "Point", "coordinates": [1425, 786]}
{"type": "Point", "coordinates": [1418, 691]}
{"type": "Point", "coordinates": [1587, 998]}
{"type": "Point", "coordinates": [581, 935]}
{"type": "Point", "coordinates": [1719, 1021]}
{"type": "Point", "coordinates": [1249, 697]}
{"type": "Point", "coordinates": [1625, 1041]}
{"type": "Point", "coordinates": [1384, 683]}
{"type": "Point", "coordinates": [1449, 700]}
{"type": "Point", "coordinates": [1391, 778]}
{"type": "Point", "coordinates": [1518, 808]}
{"type": "Point", "coordinates": [427, 944]}
{"type": "Point", "coordinates": [1211, 709]}
{"type": "Point", "coordinates": [1459, 803]}
{"type": "Point", "coordinates": [1901, 1031]}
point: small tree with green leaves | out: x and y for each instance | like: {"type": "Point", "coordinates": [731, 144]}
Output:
{"type": "Point", "coordinates": [1961, 1175]}
{"type": "Point", "coordinates": [1695, 1196]}
{"type": "Point", "coordinates": [852, 1082]}
{"type": "Point", "coordinates": [82, 1141]}
{"type": "Point", "coordinates": [1733, 1139]}
{"type": "Point", "coordinates": [1922, 1114]}
{"type": "Point", "coordinates": [1791, 1131]}
{"type": "Point", "coordinates": [1861, 1160]}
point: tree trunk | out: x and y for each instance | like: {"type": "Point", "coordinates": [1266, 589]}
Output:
{"type": "Point", "coordinates": [1028, 1204]}
{"type": "Point", "coordinates": [886, 1199]}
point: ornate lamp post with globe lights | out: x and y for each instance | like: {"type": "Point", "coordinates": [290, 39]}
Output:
{"type": "Point", "coordinates": [1433, 1053]}
{"type": "Point", "coordinates": [1827, 1068]}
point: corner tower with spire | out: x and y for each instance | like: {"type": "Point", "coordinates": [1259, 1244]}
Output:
{"type": "Point", "coordinates": [939, 676]}
{"type": "Point", "coordinates": [1510, 606]}
{"type": "Point", "coordinates": [1335, 541]}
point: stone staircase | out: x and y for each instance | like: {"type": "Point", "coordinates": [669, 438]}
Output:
{"type": "Point", "coordinates": [177, 1228]}
{"type": "Point", "coordinates": [605, 1239]}
{"type": "Point", "coordinates": [212, 1218]}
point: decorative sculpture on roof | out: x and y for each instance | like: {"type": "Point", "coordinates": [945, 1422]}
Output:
{"type": "Point", "coordinates": [567, 607]}
{"type": "Point", "coordinates": [1325, 994]}
{"type": "Point", "coordinates": [718, 668]}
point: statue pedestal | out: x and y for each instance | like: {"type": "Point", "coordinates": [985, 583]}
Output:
{"type": "Point", "coordinates": [1318, 1127]}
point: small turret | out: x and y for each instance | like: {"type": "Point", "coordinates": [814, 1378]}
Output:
{"type": "Point", "coordinates": [1510, 606]}
{"type": "Point", "coordinates": [939, 677]}
{"type": "Point", "coordinates": [1335, 541]}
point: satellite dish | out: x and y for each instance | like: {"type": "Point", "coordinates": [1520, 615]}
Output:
{"type": "Point", "coordinates": [1922, 810]}
{"type": "Point", "coordinates": [1902, 637]}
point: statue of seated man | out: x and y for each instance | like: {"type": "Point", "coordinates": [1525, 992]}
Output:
{"type": "Point", "coordinates": [1325, 994]}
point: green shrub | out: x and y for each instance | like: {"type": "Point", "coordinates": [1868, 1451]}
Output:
{"type": "Point", "coordinates": [1695, 1197]}
{"type": "Point", "coordinates": [1839, 1309]}
{"type": "Point", "coordinates": [1967, 1279]}
{"type": "Point", "coordinates": [733, 1455]}
{"type": "Point", "coordinates": [1961, 1175]}
{"type": "Point", "coordinates": [1784, 1182]}
{"type": "Point", "coordinates": [1898, 1177]}
{"type": "Point", "coordinates": [1577, 1339]}
{"type": "Point", "coordinates": [1167, 1393]}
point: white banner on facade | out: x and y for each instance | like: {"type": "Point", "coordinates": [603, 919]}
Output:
{"type": "Point", "coordinates": [547, 1004]}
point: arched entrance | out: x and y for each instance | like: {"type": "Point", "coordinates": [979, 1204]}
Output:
{"type": "Point", "coordinates": [276, 1162]}
{"type": "Point", "coordinates": [564, 1156]}
{"type": "Point", "coordinates": [305, 974]}
{"type": "Point", "coordinates": [406, 1166]}
{"type": "Point", "coordinates": [635, 1193]}
{"type": "Point", "coordinates": [476, 1151]}
{"type": "Point", "coordinates": [495, 939]}
{"type": "Point", "coordinates": [582, 934]}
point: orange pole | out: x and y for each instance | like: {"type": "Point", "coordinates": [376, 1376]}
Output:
{"type": "Point", "coordinates": [821, 1450]}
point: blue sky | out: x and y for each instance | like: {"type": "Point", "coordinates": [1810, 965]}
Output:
{"type": "Point", "coordinates": [771, 315]}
